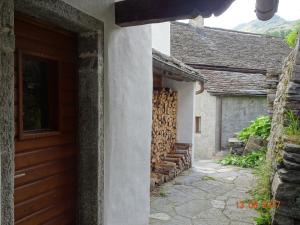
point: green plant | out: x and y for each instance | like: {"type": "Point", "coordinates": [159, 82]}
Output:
{"type": "Point", "coordinates": [292, 127]}
{"type": "Point", "coordinates": [263, 219]}
{"type": "Point", "coordinates": [291, 38]}
{"type": "Point", "coordinates": [250, 160]}
{"type": "Point", "coordinates": [261, 192]}
{"type": "Point", "coordinates": [259, 128]}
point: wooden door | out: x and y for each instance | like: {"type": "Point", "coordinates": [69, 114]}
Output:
{"type": "Point", "coordinates": [45, 117]}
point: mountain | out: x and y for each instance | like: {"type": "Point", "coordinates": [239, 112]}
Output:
{"type": "Point", "coordinates": [277, 26]}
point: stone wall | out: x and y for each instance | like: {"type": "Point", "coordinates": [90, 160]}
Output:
{"type": "Point", "coordinates": [272, 82]}
{"type": "Point", "coordinates": [237, 112]}
{"type": "Point", "coordinates": [7, 45]}
{"type": "Point", "coordinates": [283, 153]}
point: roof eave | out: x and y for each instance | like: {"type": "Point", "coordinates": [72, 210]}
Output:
{"type": "Point", "coordinates": [167, 70]}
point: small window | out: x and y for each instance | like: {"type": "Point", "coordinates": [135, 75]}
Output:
{"type": "Point", "coordinates": [198, 124]}
{"type": "Point", "coordinates": [39, 94]}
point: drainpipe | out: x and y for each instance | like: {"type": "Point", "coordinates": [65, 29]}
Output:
{"type": "Point", "coordinates": [265, 9]}
{"type": "Point", "coordinates": [201, 88]}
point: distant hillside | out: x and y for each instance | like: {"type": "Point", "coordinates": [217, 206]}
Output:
{"type": "Point", "coordinates": [277, 26]}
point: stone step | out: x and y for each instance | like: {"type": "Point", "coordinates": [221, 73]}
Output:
{"type": "Point", "coordinates": [292, 148]}
{"type": "Point", "coordinates": [291, 165]}
{"type": "Point", "coordinates": [290, 176]}
{"type": "Point", "coordinates": [292, 157]}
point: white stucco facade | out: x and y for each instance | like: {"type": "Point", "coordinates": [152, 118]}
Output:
{"type": "Point", "coordinates": [128, 108]}
{"type": "Point", "coordinates": [161, 37]}
{"type": "Point", "coordinates": [206, 141]}
{"type": "Point", "coordinates": [185, 109]}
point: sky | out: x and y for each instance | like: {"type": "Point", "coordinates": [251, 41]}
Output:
{"type": "Point", "coordinates": [242, 11]}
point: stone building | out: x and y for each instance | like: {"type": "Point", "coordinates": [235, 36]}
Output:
{"type": "Point", "coordinates": [174, 87]}
{"type": "Point", "coordinates": [235, 66]}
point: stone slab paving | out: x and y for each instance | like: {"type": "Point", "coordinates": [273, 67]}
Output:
{"type": "Point", "coordinates": [204, 195]}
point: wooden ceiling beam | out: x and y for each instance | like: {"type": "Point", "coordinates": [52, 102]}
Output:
{"type": "Point", "coordinates": [139, 12]}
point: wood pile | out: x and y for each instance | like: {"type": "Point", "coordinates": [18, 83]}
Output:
{"type": "Point", "coordinates": [168, 158]}
{"type": "Point", "coordinates": [163, 123]}
{"type": "Point", "coordinates": [178, 160]}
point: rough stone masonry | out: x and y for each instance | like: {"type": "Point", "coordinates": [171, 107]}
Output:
{"type": "Point", "coordinates": [283, 152]}
{"type": "Point", "coordinates": [7, 46]}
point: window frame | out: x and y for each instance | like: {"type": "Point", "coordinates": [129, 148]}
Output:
{"type": "Point", "coordinates": [22, 134]}
{"type": "Point", "coordinates": [198, 124]}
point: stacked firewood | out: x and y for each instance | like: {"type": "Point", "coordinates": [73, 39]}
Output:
{"type": "Point", "coordinates": [178, 160]}
{"type": "Point", "coordinates": [168, 159]}
{"type": "Point", "coordinates": [163, 123]}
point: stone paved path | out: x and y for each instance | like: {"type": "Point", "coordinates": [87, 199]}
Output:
{"type": "Point", "coordinates": [204, 195]}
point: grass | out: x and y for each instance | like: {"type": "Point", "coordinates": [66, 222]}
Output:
{"type": "Point", "coordinates": [250, 160]}
{"type": "Point", "coordinates": [261, 193]}
{"type": "Point", "coordinates": [292, 127]}
{"type": "Point", "coordinates": [208, 178]}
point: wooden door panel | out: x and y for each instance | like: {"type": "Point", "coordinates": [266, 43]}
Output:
{"type": "Point", "coordinates": [34, 173]}
{"type": "Point", "coordinates": [41, 143]}
{"type": "Point", "coordinates": [46, 215]}
{"type": "Point", "coordinates": [33, 189]}
{"type": "Point", "coordinates": [45, 161]}
{"type": "Point", "coordinates": [40, 202]}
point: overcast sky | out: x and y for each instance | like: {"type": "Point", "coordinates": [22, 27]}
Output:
{"type": "Point", "coordinates": [242, 11]}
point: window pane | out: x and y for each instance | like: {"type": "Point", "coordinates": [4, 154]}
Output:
{"type": "Point", "coordinates": [36, 99]}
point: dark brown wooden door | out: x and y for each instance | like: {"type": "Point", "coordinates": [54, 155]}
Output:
{"type": "Point", "coordinates": [45, 115]}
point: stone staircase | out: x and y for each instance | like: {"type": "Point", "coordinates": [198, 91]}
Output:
{"type": "Point", "coordinates": [286, 187]}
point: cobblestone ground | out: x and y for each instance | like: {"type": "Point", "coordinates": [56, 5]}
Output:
{"type": "Point", "coordinates": [204, 195]}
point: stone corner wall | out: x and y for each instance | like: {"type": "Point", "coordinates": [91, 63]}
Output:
{"type": "Point", "coordinates": [272, 78]}
{"type": "Point", "coordinates": [284, 155]}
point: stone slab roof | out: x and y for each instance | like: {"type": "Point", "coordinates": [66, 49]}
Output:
{"type": "Point", "coordinates": [172, 68]}
{"type": "Point", "coordinates": [216, 47]}
{"type": "Point", "coordinates": [234, 83]}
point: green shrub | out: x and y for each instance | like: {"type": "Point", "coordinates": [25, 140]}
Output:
{"type": "Point", "coordinates": [259, 128]}
{"type": "Point", "coordinates": [250, 160]}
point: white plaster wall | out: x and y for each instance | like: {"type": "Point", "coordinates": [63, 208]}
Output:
{"type": "Point", "coordinates": [185, 109]}
{"type": "Point", "coordinates": [238, 112]}
{"type": "Point", "coordinates": [128, 108]}
{"type": "Point", "coordinates": [161, 37]}
{"type": "Point", "coordinates": [206, 141]}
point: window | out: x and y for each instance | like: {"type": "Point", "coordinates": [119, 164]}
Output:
{"type": "Point", "coordinates": [39, 94]}
{"type": "Point", "coordinates": [198, 124]}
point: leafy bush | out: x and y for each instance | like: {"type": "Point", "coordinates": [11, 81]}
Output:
{"type": "Point", "coordinates": [259, 128]}
{"type": "Point", "coordinates": [250, 160]}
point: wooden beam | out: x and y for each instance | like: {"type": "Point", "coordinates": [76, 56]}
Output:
{"type": "Point", "coordinates": [139, 12]}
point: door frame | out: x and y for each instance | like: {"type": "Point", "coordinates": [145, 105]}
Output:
{"type": "Point", "coordinates": [90, 198]}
